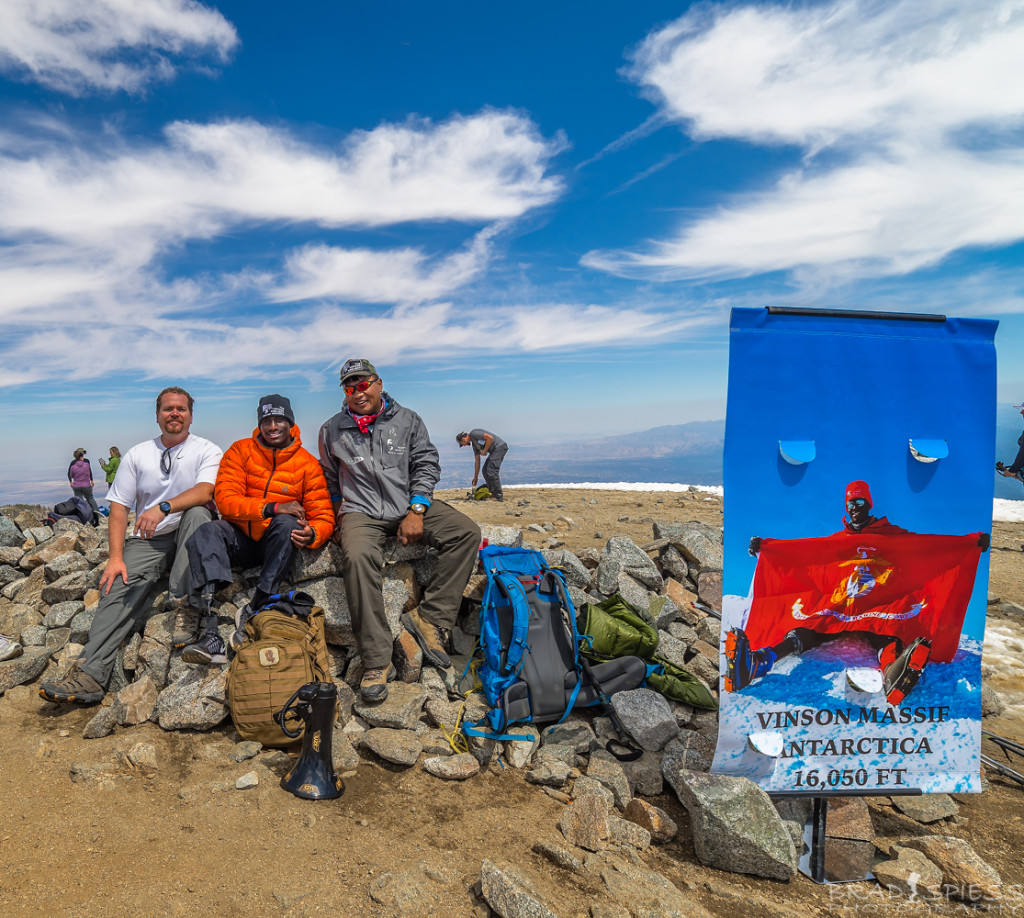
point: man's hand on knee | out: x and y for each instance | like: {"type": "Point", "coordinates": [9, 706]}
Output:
{"type": "Point", "coordinates": [303, 536]}
{"type": "Point", "coordinates": [111, 572]}
{"type": "Point", "coordinates": [411, 529]}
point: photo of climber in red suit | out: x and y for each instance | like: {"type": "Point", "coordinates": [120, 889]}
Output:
{"type": "Point", "coordinates": [906, 593]}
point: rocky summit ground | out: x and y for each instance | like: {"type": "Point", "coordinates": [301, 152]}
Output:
{"type": "Point", "coordinates": [145, 821]}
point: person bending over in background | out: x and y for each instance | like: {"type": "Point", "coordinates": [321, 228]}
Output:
{"type": "Point", "coordinates": [494, 448]}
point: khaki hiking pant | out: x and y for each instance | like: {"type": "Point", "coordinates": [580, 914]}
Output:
{"type": "Point", "coordinates": [124, 608]}
{"type": "Point", "coordinates": [457, 540]}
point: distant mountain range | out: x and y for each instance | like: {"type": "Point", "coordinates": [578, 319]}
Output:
{"type": "Point", "coordinates": [698, 438]}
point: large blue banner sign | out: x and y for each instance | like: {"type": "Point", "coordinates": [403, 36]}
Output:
{"type": "Point", "coordinates": [858, 504]}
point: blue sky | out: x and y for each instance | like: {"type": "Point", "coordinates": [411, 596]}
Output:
{"type": "Point", "coordinates": [533, 217]}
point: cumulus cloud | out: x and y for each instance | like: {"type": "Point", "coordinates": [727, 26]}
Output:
{"type": "Point", "coordinates": [905, 113]}
{"type": "Point", "coordinates": [107, 45]}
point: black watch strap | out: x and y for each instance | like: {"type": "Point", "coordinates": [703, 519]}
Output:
{"type": "Point", "coordinates": [165, 506]}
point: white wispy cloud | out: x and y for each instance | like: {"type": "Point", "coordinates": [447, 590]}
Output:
{"type": "Point", "coordinates": [107, 45]}
{"type": "Point", "coordinates": [81, 227]}
{"type": "Point", "coordinates": [404, 275]}
{"type": "Point", "coordinates": [207, 177]}
{"type": "Point", "coordinates": [89, 234]}
{"type": "Point", "coordinates": [309, 341]}
{"type": "Point", "coordinates": [906, 115]}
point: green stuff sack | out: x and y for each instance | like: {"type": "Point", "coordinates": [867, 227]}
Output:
{"type": "Point", "coordinates": [616, 628]}
{"type": "Point", "coordinates": [282, 653]}
{"type": "Point", "coordinates": [680, 685]}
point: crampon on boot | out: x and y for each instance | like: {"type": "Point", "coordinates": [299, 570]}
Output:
{"type": "Point", "coordinates": [901, 670]}
{"type": "Point", "coordinates": [743, 665]}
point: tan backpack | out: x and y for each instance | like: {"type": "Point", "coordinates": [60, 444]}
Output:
{"type": "Point", "coordinates": [282, 652]}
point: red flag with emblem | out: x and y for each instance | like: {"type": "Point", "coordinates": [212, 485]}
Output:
{"type": "Point", "coordinates": [903, 584]}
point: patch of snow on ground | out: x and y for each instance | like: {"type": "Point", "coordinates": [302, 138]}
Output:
{"type": "Point", "coordinates": [1003, 511]}
{"type": "Point", "coordinates": [1007, 511]}
{"type": "Point", "coordinates": [1004, 653]}
{"type": "Point", "coordinates": [625, 486]}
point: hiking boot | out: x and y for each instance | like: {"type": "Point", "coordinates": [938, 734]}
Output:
{"type": "Point", "coordinates": [373, 687]}
{"type": "Point", "coordinates": [77, 686]}
{"type": "Point", "coordinates": [429, 637]}
{"type": "Point", "coordinates": [9, 648]}
{"type": "Point", "coordinates": [238, 636]}
{"type": "Point", "coordinates": [186, 624]}
{"type": "Point", "coordinates": [208, 649]}
{"type": "Point", "coordinates": [743, 665]}
{"type": "Point", "coordinates": [901, 672]}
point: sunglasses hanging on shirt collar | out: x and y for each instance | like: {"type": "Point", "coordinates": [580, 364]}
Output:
{"type": "Point", "coordinates": [166, 459]}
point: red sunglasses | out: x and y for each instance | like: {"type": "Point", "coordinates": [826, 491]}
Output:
{"type": "Point", "coordinates": [360, 386]}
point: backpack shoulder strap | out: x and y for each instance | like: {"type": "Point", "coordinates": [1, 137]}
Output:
{"type": "Point", "coordinates": [510, 587]}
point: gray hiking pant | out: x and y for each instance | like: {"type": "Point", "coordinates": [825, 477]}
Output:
{"type": "Point", "coordinates": [492, 469]}
{"type": "Point", "coordinates": [123, 610]}
{"type": "Point", "coordinates": [456, 538]}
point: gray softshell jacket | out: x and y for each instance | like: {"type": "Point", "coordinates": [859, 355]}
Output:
{"type": "Point", "coordinates": [377, 472]}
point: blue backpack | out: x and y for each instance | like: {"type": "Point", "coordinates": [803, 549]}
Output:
{"type": "Point", "coordinates": [532, 670]}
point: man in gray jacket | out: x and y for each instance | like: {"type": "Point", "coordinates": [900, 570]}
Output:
{"type": "Point", "coordinates": [381, 469]}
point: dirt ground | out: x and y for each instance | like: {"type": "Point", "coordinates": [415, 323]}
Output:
{"type": "Point", "coordinates": [398, 842]}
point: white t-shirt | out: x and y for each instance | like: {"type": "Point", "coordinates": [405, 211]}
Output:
{"type": "Point", "coordinates": [141, 483]}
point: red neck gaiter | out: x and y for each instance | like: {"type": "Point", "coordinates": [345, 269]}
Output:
{"type": "Point", "coordinates": [365, 421]}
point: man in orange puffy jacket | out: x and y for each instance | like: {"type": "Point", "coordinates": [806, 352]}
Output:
{"type": "Point", "coordinates": [273, 499]}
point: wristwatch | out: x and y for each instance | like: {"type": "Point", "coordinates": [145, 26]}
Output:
{"type": "Point", "coordinates": [165, 506]}
{"type": "Point", "coordinates": [418, 508]}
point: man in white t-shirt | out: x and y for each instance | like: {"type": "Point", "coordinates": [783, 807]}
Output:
{"type": "Point", "coordinates": [169, 481]}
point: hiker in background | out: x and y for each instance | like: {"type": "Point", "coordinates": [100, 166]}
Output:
{"type": "Point", "coordinates": [381, 470]}
{"type": "Point", "coordinates": [111, 467]}
{"type": "Point", "coordinates": [169, 480]}
{"type": "Point", "coordinates": [1015, 470]}
{"type": "Point", "coordinates": [494, 448]}
{"type": "Point", "coordinates": [274, 501]}
{"type": "Point", "coordinates": [80, 476]}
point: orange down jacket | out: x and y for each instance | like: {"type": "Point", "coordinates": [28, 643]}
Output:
{"type": "Point", "coordinates": [251, 476]}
